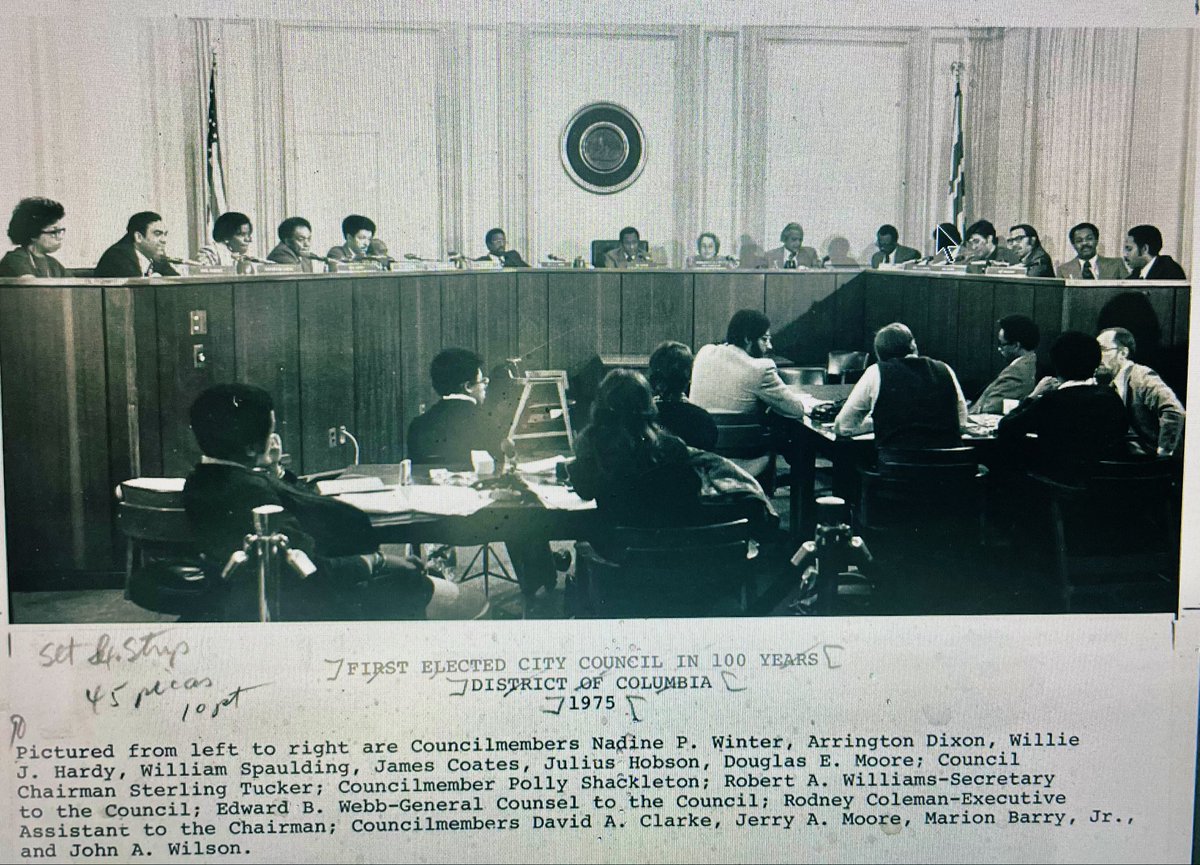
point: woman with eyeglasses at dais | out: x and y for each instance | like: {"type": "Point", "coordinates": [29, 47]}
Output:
{"type": "Point", "coordinates": [37, 230]}
{"type": "Point", "coordinates": [233, 235]}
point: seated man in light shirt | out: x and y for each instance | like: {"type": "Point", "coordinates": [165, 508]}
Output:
{"type": "Point", "coordinates": [736, 376]}
{"type": "Point", "coordinates": [793, 254]}
{"type": "Point", "coordinates": [908, 400]}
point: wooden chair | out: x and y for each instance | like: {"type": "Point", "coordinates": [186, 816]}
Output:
{"type": "Point", "coordinates": [846, 366]}
{"type": "Point", "coordinates": [923, 491]}
{"type": "Point", "coordinates": [748, 441]}
{"type": "Point", "coordinates": [667, 571]}
{"type": "Point", "coordinates": [164, 571]}
{"type": "Point", "coordinates": [1117, 530]}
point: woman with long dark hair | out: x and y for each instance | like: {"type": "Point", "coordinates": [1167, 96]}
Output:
{"type": "Point", "coordinates": [637, 473]}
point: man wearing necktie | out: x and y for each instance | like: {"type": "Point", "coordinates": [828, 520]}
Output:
{"type": "Point", "coordinates": [1085, 237]}
{"type": "Point", "coordinates": [1156, 415]}
{"type": "Point", "coordinates": [141, 252]}
{"type": "Point", "coordinates": [629, 252]}
{"type": "Point", "coordinates": [887, 238]}
{"type": "Point", "coordinates": [793, 254]}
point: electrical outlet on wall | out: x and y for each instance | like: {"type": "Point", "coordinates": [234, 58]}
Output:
{"type": "Point", "coordinates": [333, 436]}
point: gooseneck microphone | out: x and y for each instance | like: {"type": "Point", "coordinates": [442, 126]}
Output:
{"type": "Point", "coordinates": [312, 256]}
{"type": "Point", "coordinates": [185, 261]}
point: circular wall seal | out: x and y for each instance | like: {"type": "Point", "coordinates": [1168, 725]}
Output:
{"type": "Point", "coordinates": [602, 148]}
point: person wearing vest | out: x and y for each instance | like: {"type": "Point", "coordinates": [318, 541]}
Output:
{"type": "Point", "coordinates": [909, 401]}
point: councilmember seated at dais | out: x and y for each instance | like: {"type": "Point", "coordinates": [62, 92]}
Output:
{"type": "Point", "coordinates": [141, 252]}
{"type": "Point", "coordinates": [37, 230]}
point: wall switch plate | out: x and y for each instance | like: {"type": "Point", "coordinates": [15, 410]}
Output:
{"type": "Point", "coordinates": [199, 357]}
{"type": "Point", "coordinates": [198, 322]}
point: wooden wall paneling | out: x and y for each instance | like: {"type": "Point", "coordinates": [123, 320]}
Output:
{"type": "Point", "coordinates": [496, 295]}
{"type": "Point", "coordinates": [883, 299]}
{"type": "Point", "coordinates": [420, 329]}
{"type": "Point", "coordinates": [584, 316]}
{"type": "Point", "coordinates": [849, 298]}
{"type": "Point", "coordinates": [131, 339]}
{"type": "Point", "coordinates": [58, 502]}
{"type": "Point", "coordinates": [533, 329]}
{"type": "Point", "coordinates": [267, 352]}
{"type": "Point", "coordinates": [179, 379]}
{"type": "Point", "coordinates": [325, 308]}
{"type": "Point", "coordinates": [460, 309]}
{"type": "Point", "coordinates": [803, 315]}
{"type": "Point", "coordinates": [378, 370]}
{"type": "Point", "coordinates": [718, 296]}
{"type": "Point", "coordinates": [1177, 375]}
{"type": "Point", "coordinates": [1048, 299]}
{"type": "Point", "coordinates": [655, 306]}
{"type": "Point", "coordinates": [970, 347]}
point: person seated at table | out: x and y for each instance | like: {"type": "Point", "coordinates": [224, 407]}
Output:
{"type": "Point", "coordinates": [1156, 416]}
{"type": "Point", "coordinates": [736, 376]}
{"type": "Point", "coordinates": [497, 250]}
{"type": "Point", "coordinates": [1025, 248]}
{"type": "Point", "coordinates": [1017, 341]}
{"type": "Point", "coordinates": [141, 252]}
{"type": "Point", "coordinates": [630, 251]}
{"type": "Point", "coordinates": [981, 244]}
{"type": "Point", "coordinates": [1076, 420]}
{"type": "Point", "coordinates": [295, 242]}
{"type": "Point", "coordinates": [1143, 254]}
{"type": "Point", "coordinates": [234, 425]}
{"type": "Point", "coordinates": [670, 377]}
{"type": "Point", "coordinates": [708, 247]}
{"type": "Point", "coordinates": [456, 424]}
{"type": "Point", "coordinates": [1086, 264]}
{"type": "Point", "coordinates": [357, 232]}
{"type": "Point", "coordinates": [793, 254]}
{"type": "Point", "coordinates": [887, 238]}
{"type": "Point", "coordinates": [232, 234]}
{"type": "Point", "coordinates": [36, 228]}
{"type": "Point", "coordinates": [908, 400]}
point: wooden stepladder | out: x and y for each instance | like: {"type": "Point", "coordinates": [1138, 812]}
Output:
{"type": "Point", "coordinates": [543, 416]}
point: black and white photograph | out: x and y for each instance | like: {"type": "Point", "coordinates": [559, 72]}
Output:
{"type": "Point", "coordinates": [382, 322]}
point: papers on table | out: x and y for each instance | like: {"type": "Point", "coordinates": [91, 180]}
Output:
{"type": "Point", "coordinates": [555, 497]}
{"type": "Point", "coordinates": [432, 500]}
{"type": "Point", "coordinates": [338, 486]}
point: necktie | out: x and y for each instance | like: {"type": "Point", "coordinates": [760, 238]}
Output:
{"type": "Point", "coordinates": [1087, 271]}
{"type": "Point", "coordinates": [887, 259]}
{"type": "Point", "coordinates": [790, 264]}
{"type": "Point", "coordinates": [149, 269]}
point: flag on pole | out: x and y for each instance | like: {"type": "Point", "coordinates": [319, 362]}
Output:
{"type": "Point", "coordinates": [215, 202]}
{"type": "Point", "coordinates": [957, 181]}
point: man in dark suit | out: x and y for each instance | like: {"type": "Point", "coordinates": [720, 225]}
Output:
{"type": "Point", "coordinates": [887, 238]}
{"type": "Point", "coordinates": [141, 252]}
{"type": "Point", "coordinates": [456, 424]}
{"type": "Point", "coordinates": [350, 578]}
{"type": "Point", "coordinates": [630, 252]}
{"type": "Point", "coordinates": [1086, 264]}
{"type": "Point", "coordinates": [1025, 248]}
{"type": "Point", "coordinates": [497, 250]}
{"type": "Point", "coordinates": [1143, 243]}
{"type": "Point", "coordinates": [295, 240]}
{"type": "Point", "coordinates": [357, 231]}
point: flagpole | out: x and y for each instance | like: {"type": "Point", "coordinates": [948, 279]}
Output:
{"type": "Point", "coordinates": [957, 154]}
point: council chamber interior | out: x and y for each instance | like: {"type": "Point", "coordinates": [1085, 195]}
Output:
{"type": "Point", "coordinates": [562, 134]}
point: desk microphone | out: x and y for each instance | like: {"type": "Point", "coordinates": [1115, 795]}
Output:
{"type": "Point", "coordinates": [410, 256]}
{"type": "Point", "coordinates": [825, 261]}
{"type": "Point", "coordinates": [187, 261]}
{"type": "Point", "coordinates": [550, 256]}
{"type": "Point", "coordinates": [312, 256]}
{"type": "Point", "coordinates": [253, 260]}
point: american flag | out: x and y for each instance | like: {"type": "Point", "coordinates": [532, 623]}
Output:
{"type": "Point", "coordinates": [957, 181]}
{"type": "Point", "coordinates": [215, 203]}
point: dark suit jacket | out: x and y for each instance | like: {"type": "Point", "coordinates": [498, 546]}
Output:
{"type": "Point", "coordinates": [1075, 426]}
{"type": "Point", "coordinates": [284, 254]}
{"type": "Point", "coordinates": [512, 258]}
{"type": "Point", "coordinates": [447, 433]}
{"type": "Point", "coordinates": [1102, 268]}
{"type": "Point", "coordinates": [219, 500]}
{"type": "Point", "coordinates": [1038, 263]}
{"type": "Point", "coordinates": [17, 262]}
{"type": "Point", "coordinates": [1164, 267]}
{"type": "Point", "coordinates": [120, 260]}
{"type": "Point", "coordinates": [692, 424]}
{"type": "Point", "coordinates": [900, 255]}
{"type": "Point", "coordinates": [616, 258]}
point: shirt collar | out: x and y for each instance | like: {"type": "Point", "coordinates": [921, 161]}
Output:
{"type": "Point", "coordinates": [143, 262]}
{"type": "Point", "coordinates": [463, 396]}
{"type": "Point", "coordinates": [1148, 265]}
{"type": "Point", "coordinates": [1076, 383]}
{"type": "Point", "coordinates": [217, 461]}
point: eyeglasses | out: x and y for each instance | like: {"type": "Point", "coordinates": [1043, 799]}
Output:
{"type": "Point", "coordinates": [55, 232]}
{"type": "Point", "coordinates": [1013, 241]}
{"type": "Point", "coordinates": [1003, 345]}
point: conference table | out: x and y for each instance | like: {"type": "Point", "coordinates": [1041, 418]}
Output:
{"type": "Point", "coordinates": [814, 439]}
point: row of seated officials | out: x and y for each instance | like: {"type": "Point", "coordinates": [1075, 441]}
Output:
{"type": "Point", "coordinates": [645, 456]}
{"type": "Point", "coordinates": [37, 231]}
